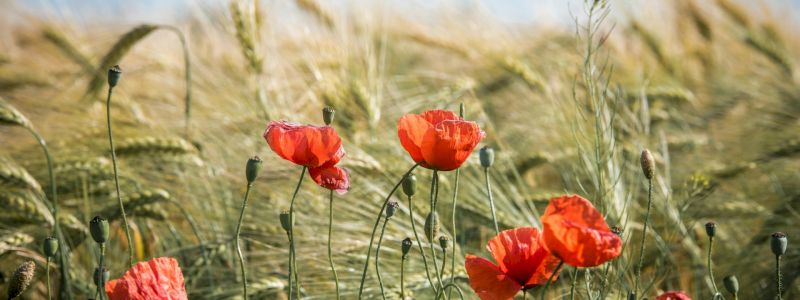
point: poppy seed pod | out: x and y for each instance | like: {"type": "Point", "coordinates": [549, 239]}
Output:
{"type": "Point", "coordinates": [21, 279]}
{"type": "Point", "coordinates": [406, 246]}
{"type": "Point", "coordinates": [327, 115]}
{"type": "Point", "coordinates": [711, 229]}
{"type": "Point", "coordinates": [410, 185]}
{"type": "Point", "coordinates": [444, 242]}
{"type": "Point", "coordinates": [253, 169]}
{"type": "Point", "coordinates": [50, 247]}
{"type": "Point", "coordinates": [114, 74]}
{"type": "Point", "coordinates": [486, 155]}
{"type": "Point", "coordinates": [731, 284]}
{"type": "Point", "coordinates": [286, 221]}
{"type": "Point", "coordinates": [97, 276]}
{"type": "Point", "coordinates": [391, 208]}
{"type": "Point", "coordinates": [778, 243]}
{"type": "Point", "coordinates": [99, 229]}
{"type": "Point", "coordinates": [431, 226]}
{"type": "Point", "coordinates": [648, 164]}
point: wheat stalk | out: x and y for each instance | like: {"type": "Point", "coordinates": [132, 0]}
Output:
{"type": "Point", "coordinates": [153, 145]}
{"type": "Point", "coordinates": [10, 116]}
{"type": "Point", "coordinates": [115, 54]}
{"type": "Point", "coordinates": [313, 8]}
{"type": "Point", "coordinates": [14, 176]}
{"type": "Point", "coordinates": [61, 42]}
{"type": "Point", "coordinates": [15, 240]}
{"type": "Point", "coordinates": [136, 200]}
{"type": "Point", "coordinates": [20, 208]}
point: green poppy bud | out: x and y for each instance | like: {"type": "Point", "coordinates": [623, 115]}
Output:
{"type": "Point", "coordinates": [391, 208]}
{"type": "Point", "coordinates": [431, 226]}
{"type": "Point", "coordinates": [286, 221]}
{"type": "Point", "coordinates": [406, 246]}
{"type": "Point", "coordinates": [778, 243]}
{"type": "Point", "coordinates": [50, 247]}
{"type": "Point", "coordinates": [114, 74]}
{"type": "Point", "coordinates": [711, 229]}
{"type": "Point", "coordinates": [410, 185]}
{"type": "Point", "coordinates": [444, 242]}
{"type": "Point", "coordinates": [731, 284]}
{"type": "Point", "coordinates": [486, 155]}
{"type": "Point", "coordinates": [99, 229]}
{"type": "Point", "coordinates": [648, 164]}
{"type": "Point", "coordinates": [327, 115]}
{"type": "Point", "coordinates": [253, 169]}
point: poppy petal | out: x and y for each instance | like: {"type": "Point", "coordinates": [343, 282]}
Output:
{"type": "Point", "coordinates": [519, 254]}
{"type": "Point", "coordinates": [450, 143]}
{"type": "Point", "coordinates": [673, 295]}
{"type": "Point", "coordinates": [304, 145]}
{"type": "Point", "coordinates": [332, 178]}
{"type": "Point", "coordinates": [159, 278]}
{"type": "Point", "coordinates": [437, 116]}
{"type": "Point", "coordinates": [577, 233]}
{"type": "Point", "coordinates": [411, 130]}
{"type": "Point", "coordinates": [488, 281]}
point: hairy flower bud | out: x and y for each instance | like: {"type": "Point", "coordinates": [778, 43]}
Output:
{"type": "Point", "coordinates": [21, 279]}
{"type": "Point", "coordinates": [406, 246]}
{"type": "Point", "coordinates": [391, 208]}
{"type": "Point", "coordinates": [286, 221]}
{"type": "Point", "coordinates": [731, 284]}
{"type": "Point", "coordinates": [648, 164]}
{"type": "Point", "coordinates": [327, 115]}
{"type": "Point", "coordinates": [711, 229]}
{"type": "Point", "coordinates": [486, 155]}
{"type": "Point", "coordinates": [410, 185]}
{"type": "Point", "coordinates": [99, 229]}
{"type": "Point", "coordinates": [431, 226]}
{"type": "Point", "coordinates": [114, 74]}
{"type": "Point", "coordinates": [253, 169]}
{"type": "Point", "coordinates": [50, 247]}
{"type": "Point", "coordinates": [778, 243]}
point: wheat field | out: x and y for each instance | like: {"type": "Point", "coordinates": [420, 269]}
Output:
{"type": "Point", "coordinates": [710, 87]}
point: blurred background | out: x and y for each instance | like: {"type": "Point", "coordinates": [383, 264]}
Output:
{"type": "Point", "coordinates": [568, 93]}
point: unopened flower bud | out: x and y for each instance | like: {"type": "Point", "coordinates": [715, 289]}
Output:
{"type": "Point", "coordinates": [286, 220]}
{"type": "Point", "coordinates": [444, 242]}
{"type": "Point", "coordinates": [648, 164]}
{"type": "Point", "coordinates": [778, 243]}
{"type": "Point", "coordinates": [431, 226]}
{"type": "Point", "coordinates": [391, 208]}
{"type": "Point", "coordinates": [486, 155]}
{"type": "Point", "coordinates": [327, 115]}
{"type": "Point", "coordinates": [406, 246]}
{"type": "Point", "coordinates": [114, 74]}
{"type": "Point", "coordinates": [410, 185]}
{"type": "Point", "coordinates": [99, 229]}
{"type": "Point", "coordinates": [731, 284]}
{"type": "Point", "coordinates": [50, 247]}
{"type": "Point", "coordinates": [21, 279]}
{"type": "Point", "coordinates": [101, 274]}
{"type": "Point", "coordinates": [616, 230]}
{"type": "Point", "coordinates": [253, 169]}
{"type": "Point", "coordinates": [711, 229]}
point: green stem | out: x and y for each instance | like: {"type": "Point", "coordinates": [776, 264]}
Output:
{"type": "Point", "coordinates": [116, 178]}
{"type": "Point", "coordinates": [47, 269]}
{"type": "Point", "coordinates": [102, 264]}
{"type": "Point", "coordinates": [330, 251]}
{"type": "Point", "coordinates": [778, 277]}
{"type": "Point", "coordinates": [455, 235]}
{"type": "Point", "coordinates": [547, 283]}
{"type": "Point", "coordinates": [419, 243]}
{"type": "Point", "coordinates": [434, 196]}
{"type": "Point", "coordinates": [292, 253]}
{"type": "Point", "coordinates": [644, 235]}
{"type": "Point", "coordinates": [444, 261]}
{"type": "Point", "coordinates": [451, 286]}
{"type": "Point", "coordinates": [238, 241]}
{"type": "Point", "coordinates": [375, 228]}
{"type": "Point", "coordinates": [491, 199]}
{"type": "Point", "coordinates": [574, 281]}
{"type": "Point", "coordinates": [710, 264]}
{"type": "Point", "coordinates": [402, 278]}
{"type": "Point", "coordinates": [378, 255]}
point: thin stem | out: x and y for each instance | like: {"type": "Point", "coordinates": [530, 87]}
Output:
{"type": "Point", "coordinates": [402, 278]}
{"type": "Point", "coordinates": [710, 264]}
{"type": "Point", "coordinates": [547, 283]}
{"type": "Point", "coordinates": [47, 269]}
{"type": "Point", "coordinates": [330, 251]}
{"type": "Point", "coordinates": [378, 255]}
{"type": "Point", "coordinates": [375, 228]}
{"type": "Point", "coordinates": [434, 196]}
{"type": "Point", "coordinates": [419, 243]}
{"type": "Point", "coordinates": [444, 261]}
{"type": "Point", "coordinates": [116, 178]}
{"type": "Point", "coordinates": [292, 253]}
{"type": "Point", "coordinates": [778, 277]}
{"type": "Point", "coordinates": [604, 281]}
{"type": "Point", "coordinates": [451, 286]}
{"type": "Point", "coordinates": [574, 281]}
{"type": "Point", "coordinates": [455, 235]}
{"type": "Point", "coordinates": [644, 235]}
{"type": "Point", "coordinates": [238, 241]}
{"type": "Point", "coordinates": [102, 263]}
{"type": "Point", "coordinates": [524, 294]}
{"type": "Point", "coordinates": [491, 200]}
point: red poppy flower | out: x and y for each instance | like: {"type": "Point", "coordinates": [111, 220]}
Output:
{"type": "Point", "coordinates": [438, 139]}
{"type": "Point", "coordinates": [332, 178]}
{"type": "Point", "coordinates": [305, 145]}
{"type": "Point", "coordinates": [522, 262]}
{"type": "Point", "coordinates": [576, 232]}
{"type": "Point", "coordinates": [159, 278]}
{"type": "Point", "coordinates": [673, 295]}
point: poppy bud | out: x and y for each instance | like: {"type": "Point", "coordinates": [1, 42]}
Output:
{"type": "Point", "coordinates": [487, 156]}
{"type": "Point", "coordinates": [406, 246]}
{"type": "Point", "coordinates": [99, 229]}
{"type": "Point", "coordinates": [444, 242]}
{"type": "Point", "coordinates": [286, 221]}
{"type": "Point", "coordinates": [327, 115]}
{"type": "Point", "coordinates": [616, 230]}
{"type": "Point", "coordinates": [391, 208]}
{"type": "Point", "coordinates": [648, 164]}
{"type": "Point", "coordinates": [97, 276]}
{"type": "Point", "coordinates": [410, 185]}
{"type": "Point", "coordinates": [731, 284]}
{"type": "Point", "coordinates": [21, 279]}
{"type": "Point", "coordinates": [50, 247]}
{"type": "Point", "coordinates": [252, 169]}
{"type": "Point", "coordinates": [114, 74]}
{"type": "Point", "coordinates": [431, 226]}
{"type": "Point", "coordinates": [778, 243]}
{"type": "Point", "coordinates": [711, 229]}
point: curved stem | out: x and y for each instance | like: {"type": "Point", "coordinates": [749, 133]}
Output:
{"type": "Point", "coordinates": [47, 269]}
{"type": "Point", "coordinates": [574, 281]}
{"type": "Point", "coordinates": [547, 283]}
{"type": "Point", "coordinates": [378, 255]}
{"type": "Point", "coordinates": [710, 264]}
{"type": "Point", "coordinates": [292, 253]}
{"type": "Point", "coordinates": [375, 228]}
{"type": "Point", "coordinates": [402, 278]}
{"type": "Point", "coordinates": [451, 286]}
{"type": "Point", "coordinates": [116, 178]}
{"type": "Point", "coordinates": [444, 261]}
{"type": "Point", "coordinates": [419, 243]}
{"type": "Point", "coordinates": [330, 251]}
{"type": "Point", "coordinates": [187, 68]}
{"type": "Point", "coordinates": [644, 235]}
{"type": "Point", "coordinates": [434, 196]}
{"type": "Point", "coordinates": [491, 200]}
{"type": "Point", "coordinates": [455, 235]}
{"type": "Point", "coordinates": [238, 242]}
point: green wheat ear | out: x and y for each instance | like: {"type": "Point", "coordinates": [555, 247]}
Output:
{"type": "Point", "coordinates": [118, 50]}
{"type": "Point", "coordinates": [14, 176]}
